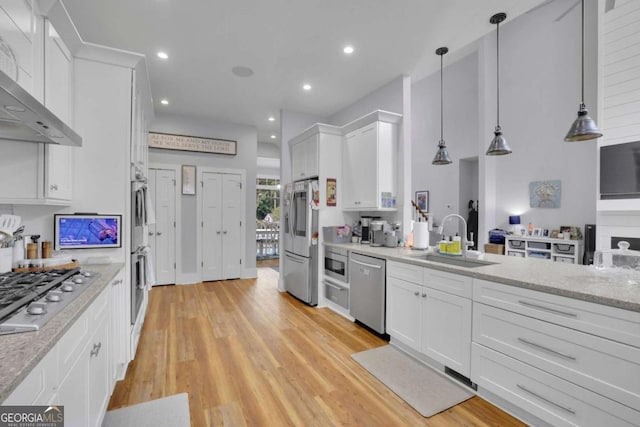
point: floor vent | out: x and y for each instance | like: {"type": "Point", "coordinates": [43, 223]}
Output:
{"type": "Point", "coordinates": [461, 378]}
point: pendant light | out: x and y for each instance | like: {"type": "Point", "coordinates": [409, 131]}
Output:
{"type": "Point", "coordinates": [584, 127]}
{"type": "Point", "coordinates": [498, 145]}
{"type": "Point", "coordinates": [442, 156]}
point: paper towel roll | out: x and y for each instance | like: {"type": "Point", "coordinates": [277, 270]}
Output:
{"type": "Point", "coordinates": [421, 235]}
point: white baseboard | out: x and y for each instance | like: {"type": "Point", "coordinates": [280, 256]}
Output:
{"type": "Point", "coordinates": [250, 273]}
{"type": "Point", "coordinates": [188, 278]}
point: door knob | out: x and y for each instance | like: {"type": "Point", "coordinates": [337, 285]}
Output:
{"type": "Point", "coordinates": [159, 233]}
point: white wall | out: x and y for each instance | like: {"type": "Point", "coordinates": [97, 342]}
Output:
{"type": "Point", "coordinates": [539, 97]}
{"type": "Point", "coordinates": [246, 137]}
{"type": "Point", "coordinates": [388, 97]}
{"type": "Point", "coordinates": [460, 102]}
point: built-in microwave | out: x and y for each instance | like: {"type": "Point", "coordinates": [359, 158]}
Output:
{"type": "Point", "coordinates": [336, 263]}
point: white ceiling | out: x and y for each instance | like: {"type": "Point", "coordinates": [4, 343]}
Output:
{"type": "Point", "coordinates": [286, 43]}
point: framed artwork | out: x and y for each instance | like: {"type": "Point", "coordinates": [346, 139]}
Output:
{"type": "Point", "coordinates": [537, 232]}
{"type": "Point", "coordinates": [188, 179]}
{"type": "Point", "coordinates": [422, 200]}
{"type": "Point", "coordinates": [545, 194]}
{"type": "Point", "coordinates": [545, 232]}
{"type": "Point", "coordinates": [554, 234]}
{"type": "Point", "coordinates": [331, 192]}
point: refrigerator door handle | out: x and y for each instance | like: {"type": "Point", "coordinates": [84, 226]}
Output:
{"type": "Point", "coordinates": [294, 259]}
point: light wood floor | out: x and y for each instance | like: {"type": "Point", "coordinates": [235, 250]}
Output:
{"type": "Point", "coordinates": [249, 355]}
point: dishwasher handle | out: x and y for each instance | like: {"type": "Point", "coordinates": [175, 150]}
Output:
{"type": "Point", "coordinates": [365, 264]}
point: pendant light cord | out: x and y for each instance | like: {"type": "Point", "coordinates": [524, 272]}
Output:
{"type": "Point", "coordinates": [582, 96]}
{"type": "Point", "coordinates": [498, 72]}
{"type": "Point", "coordinates": [441, 102]}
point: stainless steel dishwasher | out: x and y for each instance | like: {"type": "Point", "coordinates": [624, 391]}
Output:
{"type": "Point", "coordinates": [367, 288]}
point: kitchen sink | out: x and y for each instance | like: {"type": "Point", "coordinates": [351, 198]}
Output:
{"type": "Point", "coordinates": [460, 262]}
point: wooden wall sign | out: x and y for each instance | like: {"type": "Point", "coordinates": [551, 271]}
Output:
{"type": "Point", "coordinates": [168, 141]}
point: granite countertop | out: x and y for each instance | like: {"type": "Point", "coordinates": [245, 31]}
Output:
{"type": "Point", "coordinates": [568, 280]}
{"type": "Point", "coordinates": [20, 353]}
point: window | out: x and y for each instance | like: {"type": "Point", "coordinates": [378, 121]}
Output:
{"type": "Point", "coordinates": [268, 199]}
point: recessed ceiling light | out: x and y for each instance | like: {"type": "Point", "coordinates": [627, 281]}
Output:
{"type": "Point", "coordinates": [272, 119]}
{"type": "Point", "coordinates": [163, 55]}
{"type": "Point", "coordinates": [273, 137]}
{"type": "Point", "coordinates": [348, 50]}
{"type": "Point", "coordinates": [306, 86]}
{"type": "Point", "coordinates": [242, 71]}
{"type": "Point", "coordinates": [164, 101]}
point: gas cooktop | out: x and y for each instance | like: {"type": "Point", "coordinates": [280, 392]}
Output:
{"type": "Point", "coordinates": [29, 300]}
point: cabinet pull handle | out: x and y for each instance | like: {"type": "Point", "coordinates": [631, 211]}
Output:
{"type": "Point", "coordinates": [549, 309]}
{"type": "Point", "coordinates": [117, 282]}
{"type": "Point", "coordinates": [96, 349]}
{"type": "Point", "coordinates": [564, 408]}
{"type": "Point", "coordinates": [53, 187]}
{"type": "Point", "coordinates": [547, 349]}
{"type": "Point", "coordinates": [416, 293]}
{"type": "Point", "coordinates": [366, 265]}
{"type": "Point", "coordinates": [331, 285]}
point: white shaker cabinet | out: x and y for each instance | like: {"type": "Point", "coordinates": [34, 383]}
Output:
{"type": "Point", "coordinates": [429, 311]}
{"type": "Point", "coordinates": [304, 158]}
{"type": "Point", "coordinates": [57, 98]}
{"type": "Point", "coordinates": [370, 152]}
{"type": "Point", "coordinates": [35, 173]}
{"type": "Point", "coordinates": [21, 52]}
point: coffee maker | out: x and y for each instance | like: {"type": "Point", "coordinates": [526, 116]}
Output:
{"type": "Point", "coordinates": [377, 229]}
{"type": "Point", "coordinates": [365, 222]}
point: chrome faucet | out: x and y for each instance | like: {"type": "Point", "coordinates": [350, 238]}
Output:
{"type": "Point", "coordinates": [463, 240]}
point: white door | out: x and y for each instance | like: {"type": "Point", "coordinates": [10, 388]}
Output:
{"type": "Point", "coordinates": [231, 225]}
{"type": "Point", "coordinates": [165, 227]}
{"type": "Point", "coordinates": [221, 226]}
{"type": "Point", "coordinates": [211, 226]}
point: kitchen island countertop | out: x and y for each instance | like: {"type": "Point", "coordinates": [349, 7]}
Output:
{"type": "Point", "coordinates": [20, 353]}
{"type": "Point", "coordinates": [568, 280]}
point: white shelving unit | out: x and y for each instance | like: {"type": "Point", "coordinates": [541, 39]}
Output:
{"type": "Point", "coordinates": [558, 250]}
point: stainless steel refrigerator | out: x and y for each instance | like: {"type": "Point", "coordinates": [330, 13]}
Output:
{"type": "Point", "coordinates": [300, 241]}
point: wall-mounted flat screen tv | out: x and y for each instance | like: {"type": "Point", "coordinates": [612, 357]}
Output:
{"type": "Point", "coordinates": [620, 171]}
{"type": "Point", "coordinates": [87, 231]}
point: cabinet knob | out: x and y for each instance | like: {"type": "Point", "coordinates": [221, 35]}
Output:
{"type": "Point", "coordinates": [117, 282]}
{"type": "Point", "coordinates": [159, 233]}
{"type": "Point", "coordinates": [224, 232]}
{"type": "Point", "coordinates": [416, 293]}
{"type": "Point", "coordinates": [53, 187]}
{"type": "Point", "coordinates": [151, 233]}
{"type": "Point", "coordinates": [424, 295]}
{"type": "Point", "coordinates": [218, 232]}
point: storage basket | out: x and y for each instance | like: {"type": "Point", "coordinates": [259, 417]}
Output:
{"type": "Point", "coordinates": [516, 244]}
{"type": "Point", "coordinates": [539, 245]}
{"type": "Point", "coordinates": [562, 248]}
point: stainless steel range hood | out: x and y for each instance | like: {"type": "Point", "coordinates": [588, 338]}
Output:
{"type": "Point", "coordinates": [24, 118]}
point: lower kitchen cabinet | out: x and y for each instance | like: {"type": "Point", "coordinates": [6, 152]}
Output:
{"type": "Point", "coordinates": [40, 386]}
{"type": "Point", "coordinates": [446, 329]}
{"type": "Point", "coordinates": [403, 311]}
{"type": "Point", "coordinates": [430, 320]}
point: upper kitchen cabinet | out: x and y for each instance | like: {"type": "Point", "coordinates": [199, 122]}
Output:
{"type": "Point", "coordinates": [37, 173]}
{"type": "Point", "coordinates": [58, 74]}
{"type": "Point", "coordinates": [21, 44]}
{"type": "Point", "coordinates": [369, 162]}
{"type": "Point", "coordinates": [304, 157]}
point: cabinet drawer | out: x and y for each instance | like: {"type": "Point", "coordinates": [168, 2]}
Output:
{"type": "Point", "coordinates": [516, 244]}
{"type": "Point", "coordinates": [564, 248]}
{"type": "Point", "coordinates": [39, 387]}
{"type": "Point", "coordinates": [447, 282]}
{"type": "Point", "coordinates": [564, 259]}
{"type": "Point", "coordinates": [546, 396]}
{"type": "Point", "coordinates": [601, 320]}
{"type": "Point", "coordinates": [336, 293]}
{"type": "Point", "coordinates": [407, 272]}
{"type": "Point", "coordinates": [606, 367]}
